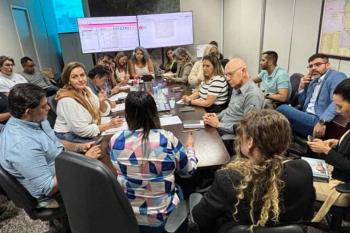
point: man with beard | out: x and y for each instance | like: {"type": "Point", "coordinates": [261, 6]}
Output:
{"type": "Point", "coordinates": [315, 96]}
{"type": "Point", "coordinates": [274, 80]}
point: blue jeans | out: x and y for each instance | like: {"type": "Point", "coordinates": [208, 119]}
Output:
{"type": "Point", "coordinates": [302, 123]}
{"type": "Point", "coordinates": [72, 137]}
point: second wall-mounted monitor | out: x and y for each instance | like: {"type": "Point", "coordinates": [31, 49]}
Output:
{"type": "Point", "coordinates": [107, 34]}
{"type": "Point", "coordinates": [164, 30]}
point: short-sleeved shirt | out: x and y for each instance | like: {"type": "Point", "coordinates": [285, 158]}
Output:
{"type": "Point", "coordinates": [279, 79]}
{"type": "Point", "coordinates": [147, 171]}
{"type": "Point", "coordinates": [7, 82]}
{"type": "Point", "coordinates": [3, 104]}
{"type": "Point", "coordinates": [28, 152]}
{"type": "Point", "coordinates": [217, 86]}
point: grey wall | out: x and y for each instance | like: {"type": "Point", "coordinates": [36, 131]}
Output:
{"type": "Point", "coordinates": [43, 27]}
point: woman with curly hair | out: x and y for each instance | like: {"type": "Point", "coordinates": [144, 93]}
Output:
{"type": "Point", "coordinates": [260, 187]}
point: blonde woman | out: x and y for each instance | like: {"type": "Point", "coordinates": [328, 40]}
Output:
{"type": "Point", "coordinates": [260, 186]}
{"type": "Point", "coordinates": [79, 110]}
{"type": "Point", "coordinates": [184, 65]}
{"type": "Point", "coordinates": [196, 76]}
{"type": "Point", "coordinates": [213, 91]}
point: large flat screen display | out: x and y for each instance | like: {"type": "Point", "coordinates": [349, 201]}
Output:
{"type": "Point", "coordinates": [164, 30]}
{"type": "Point", "coordinates": [108, 34]}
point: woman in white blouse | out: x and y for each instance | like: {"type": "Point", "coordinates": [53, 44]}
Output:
{"type": "Point", "coordinates": [140, 63]}
{"type": "Point", "coordinates": [79, 110]}
{"type": "Point", "coordinates": [213, 90]}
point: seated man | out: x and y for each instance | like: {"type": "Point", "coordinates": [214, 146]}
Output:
{"type": "Point", "coordinates": [315, 96]}
{"type": "Point", "coordinates": [28, 144]}
{"type": "Point", "coordinates": [8, 78]}
{"type": "Point", "coordinates": [274, 80]}
{"type": "Point", "coordinates": [98, 78]}
{"type": "Point", "coordinates": [245, 96]}
{"type": "Point", "coordinates": [36, 77]}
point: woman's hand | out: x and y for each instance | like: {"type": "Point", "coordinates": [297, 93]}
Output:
{"type": "Point", "coordinates": [102, 96]}
{"type": "Point", "coordinates": [319, 146]}
{"type": "Point", "coordinates": [186, 99]}
{"type": "Point", "coordinates": [116, 122]}
{"type": "Point", "coordinates": [94, 152]}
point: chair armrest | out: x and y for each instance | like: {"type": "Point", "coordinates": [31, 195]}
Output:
{"type": "Point", "coordinates": [228, 137]}
{"type": "Point", "coordinates": [343, 188]}
{"type": "Point", "coordinates": [177, 217]}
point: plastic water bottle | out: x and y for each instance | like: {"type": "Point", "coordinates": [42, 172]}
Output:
{"type": "Point", "coordinates": [155, 94]}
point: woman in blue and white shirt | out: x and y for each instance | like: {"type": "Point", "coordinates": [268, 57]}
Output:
{"type": "Point", "coordinates": [213, 91]}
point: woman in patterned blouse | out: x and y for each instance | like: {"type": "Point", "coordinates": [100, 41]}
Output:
{"type": "Point", "coordinates": [146, 158]}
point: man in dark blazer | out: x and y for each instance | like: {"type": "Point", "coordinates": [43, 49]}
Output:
{"type": "Point", "coordinates": [315, 97]}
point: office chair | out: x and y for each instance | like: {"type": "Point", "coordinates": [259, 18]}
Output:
{"type": "Point", "coordinates": [22, 199]}
{"type": "Point", "coordinates": [294, 81]}
{"type": "Point", "coordinates": [94, 200]}
{"type": "Point", "coordinates": [52, 115]}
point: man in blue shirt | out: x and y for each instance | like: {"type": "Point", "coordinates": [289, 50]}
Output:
{"type": "Point", "coordinates": [28, 145]}
{"type": "Point", "coordinates": [274, 80]}
{"type": "Point", "coordinates": [315, 96]}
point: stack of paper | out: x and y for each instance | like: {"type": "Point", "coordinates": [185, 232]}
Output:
{"type": "Point", "coordinates": [170, 120]}
{"type": "Point", "coordinates": [194, 124]}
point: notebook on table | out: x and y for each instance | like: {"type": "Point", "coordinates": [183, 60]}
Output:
{"type": "Point", "coordinates": [193, 124]}
{"type": "Point", "coordinates": [319, 169]}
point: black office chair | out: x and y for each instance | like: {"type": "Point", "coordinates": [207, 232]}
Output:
{"type": "Point", "coordinates": [93, 198]}
{"type": "Point", "coordinates": [52, 115]}
{"type": "Point", "coordinates": [294, 81]}
{"type": "Point", "coordinates": [22, 199]}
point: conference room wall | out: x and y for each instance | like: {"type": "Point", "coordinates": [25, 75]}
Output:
{"type": "Point", "coordinates": [290, 27]}
{"type": "Point", "coordinates": [207, 21]}
{"type": "Point", "coordinates": [43, 28]}
{"type": "Point", "coordinates": [242, 31]}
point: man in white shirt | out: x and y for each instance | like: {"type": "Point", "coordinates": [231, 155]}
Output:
{"type": "Point", "coordinates": [7, 77]}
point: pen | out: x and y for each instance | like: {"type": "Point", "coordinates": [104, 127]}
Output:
{"type": "Point", "coordinates": [190, 130]}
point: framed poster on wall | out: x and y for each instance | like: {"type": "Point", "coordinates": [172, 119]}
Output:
{"type": "Point", "coordinates": [334, 33]}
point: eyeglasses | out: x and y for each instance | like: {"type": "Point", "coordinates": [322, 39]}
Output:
{"type": "Point", "coordinates": [317, 64]}
{"type": "Point", "coordinates": [8, 65]}
{"type": "Point", "coordinates": [233, 72]}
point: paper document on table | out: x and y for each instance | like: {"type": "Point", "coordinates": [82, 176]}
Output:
{"type": "Point", "coordinates": [119, 96]}
{"type": "Point", "coordinates": [180, 101]}
{"type": "Point", "coordinates": [170, 120]}
{"type": "Point", "coordinates": [118, 108]}
{"type": "Point", "coordinates": [124, 126]}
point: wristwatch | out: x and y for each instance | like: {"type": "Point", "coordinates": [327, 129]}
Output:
{"type": "Point", "coordinates": [321, 122]}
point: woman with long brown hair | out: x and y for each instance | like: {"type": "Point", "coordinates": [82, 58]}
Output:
{"type": "Point", "coordinates": [213, 90]}
{"type": "Point", "coordinates": [260, 186]}
{"type": "Point", "coordinates": [79, 110]}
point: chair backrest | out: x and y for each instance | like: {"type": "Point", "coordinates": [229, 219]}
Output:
{"type": "Point", "coordinates": [52, 115]}
{"type": "Point", "coordinates": [277, 229]}
{"type": "Point", "coordinates": [294, 81]}
{"type": "Point", "coordinates": [94, 200]}
{"type": "Point", "coordinates": [17, 193]}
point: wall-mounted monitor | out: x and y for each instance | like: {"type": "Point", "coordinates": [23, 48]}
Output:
{"type": "Point", "coordinates": [164, 30]}
{"type": "Point", "coordinates": [108, 34]}
{"type": "Point", "coordinates": [66, 13]}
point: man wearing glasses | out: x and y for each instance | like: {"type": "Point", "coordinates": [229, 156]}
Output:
{"type": "Point", "coordinates": [315, 98]}
{"type": "Point", "coordinates": [7, 77]}
{"type": "Point", "coordinates": [246, 96]}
